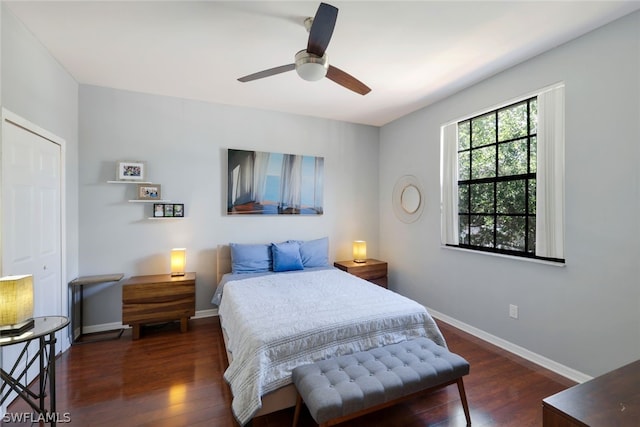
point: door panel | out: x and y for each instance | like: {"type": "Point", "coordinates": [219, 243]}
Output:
{"type": "Point", "coordinates": [31, 222]}
{"type": "Point", "coordinates": [31, 238]}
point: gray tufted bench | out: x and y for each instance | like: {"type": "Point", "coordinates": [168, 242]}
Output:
{"type": "Point", "coordinates": [345, 387]}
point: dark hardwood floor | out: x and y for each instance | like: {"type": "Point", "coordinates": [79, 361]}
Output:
{"type": "Point", "coordinates": [171, 379]}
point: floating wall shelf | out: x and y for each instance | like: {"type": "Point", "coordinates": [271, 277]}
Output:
{"type": "Point", "coordinates": [165, 217]}
{"type": "Point", "coordinates": [129, 182]}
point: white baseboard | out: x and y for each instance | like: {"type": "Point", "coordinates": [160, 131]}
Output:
{"type": "Point", "coordinates": [104, 327]}
{"type": "Point", "coordinates": [206, 313]}
{"type": "Point", "coordinates": [546, 363]}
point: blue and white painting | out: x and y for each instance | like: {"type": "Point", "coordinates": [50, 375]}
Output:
{"type": "Point", "coordinates": [274, 183]}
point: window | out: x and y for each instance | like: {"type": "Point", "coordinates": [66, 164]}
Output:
{"type": "Point", "coordinates": [497, 179]}
{"type": "Point", "coordinates": [503, 179]}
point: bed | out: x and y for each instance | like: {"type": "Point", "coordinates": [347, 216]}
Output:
{"type": "Point", "coordinates": [274, 321]}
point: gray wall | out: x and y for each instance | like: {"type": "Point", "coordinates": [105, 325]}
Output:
{"type": "Point", "coordinates": [184, 143]}
{"type": "Point", "coordinates": [586, 315]}
{"type": "Point", "coordinates": [36, 87]}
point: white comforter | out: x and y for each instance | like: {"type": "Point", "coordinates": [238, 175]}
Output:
{"type": "Point", "coordinates": [277, 322]}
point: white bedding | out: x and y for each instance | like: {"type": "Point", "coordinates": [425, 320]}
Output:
{"type": "Point", "coordinates": [277, 322]}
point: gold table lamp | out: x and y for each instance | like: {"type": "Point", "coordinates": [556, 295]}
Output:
{"type": "Point", "coordinates": [16, 304]}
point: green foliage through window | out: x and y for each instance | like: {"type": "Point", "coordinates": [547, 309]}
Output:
{"type": "Point", "coordinates": [497, 180]}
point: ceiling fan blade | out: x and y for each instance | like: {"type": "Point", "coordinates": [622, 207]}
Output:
{"type": "Point", "coordinates": [267, 73]}
{"type": "Point", "coordinates": [347, 80]}
{"type": "Point", "coordinates": [322, 29]}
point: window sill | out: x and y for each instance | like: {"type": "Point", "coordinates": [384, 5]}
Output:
{"type": "Point", "coordinates": [517, 258]}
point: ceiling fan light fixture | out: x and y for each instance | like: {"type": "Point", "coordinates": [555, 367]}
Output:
{"type": "Point", "coordinates": [311, 67]}
{"type": "Point", "coordinates": [312, 63]}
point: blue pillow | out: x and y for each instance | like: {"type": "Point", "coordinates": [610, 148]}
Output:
{"type": "Point", "coordinates": [250, 258]}
{"type": "Point", "coordinates": [286, 256]}
{"type": "Point", "coordinates": [315, 253]}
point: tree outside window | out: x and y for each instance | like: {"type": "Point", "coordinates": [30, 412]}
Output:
{"type": "Point", "coordinates": [497, 179]}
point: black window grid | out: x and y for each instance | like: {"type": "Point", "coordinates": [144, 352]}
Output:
{"type": "Point", "coordinates": [528, 248]}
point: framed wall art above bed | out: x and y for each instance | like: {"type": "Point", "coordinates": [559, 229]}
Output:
{"type": "Point", "coordinates": [261, 183]}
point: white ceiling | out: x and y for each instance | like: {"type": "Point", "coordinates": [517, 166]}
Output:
{"type": "Point", "coordinates": [411, 53]}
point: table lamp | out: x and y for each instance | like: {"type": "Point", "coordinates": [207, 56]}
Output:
{"type": "Point", "coordinates": [360, 251]}
{"type": "Point", "coordinates": [16, 304]}
{"type": "Point", "coordinates": [178, 261]}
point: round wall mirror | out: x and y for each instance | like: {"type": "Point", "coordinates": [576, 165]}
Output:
{"type": "Point", "coordinates": [408, 200]}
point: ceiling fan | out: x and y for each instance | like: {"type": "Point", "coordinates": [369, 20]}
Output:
{"type": "Point", "coordinates": [311, 63]}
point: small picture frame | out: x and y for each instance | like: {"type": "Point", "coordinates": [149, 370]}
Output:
{"type": "Point", "coordinates": [178, 209]}
{"type": "Point", "coordinates": [158, 210]}
{"type": "Point", "coordinates": [131, 170]}
{"type": "Point", "coordinates": [149, 192]}
{"type": "Point", "coordinates": [168, 210]}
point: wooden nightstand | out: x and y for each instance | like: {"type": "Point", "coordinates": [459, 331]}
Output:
{"type": "Point", "coordinates": [158, 298]}
{"type": "Point", "coordinates": [372, 270]}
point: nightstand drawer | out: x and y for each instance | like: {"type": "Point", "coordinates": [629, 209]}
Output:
{"type": "Point", "coordinates": [148, 312]}
{"type": "Point", "coordinates": [372, 270]}
{"type": "Point", "coordinates": [380, 281]}
{"type": "Point", "coordinates": [149, 293]}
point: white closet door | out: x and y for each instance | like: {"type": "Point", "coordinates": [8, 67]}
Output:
{"type": "Point", "coordinates": [31, 221]}
{"type": "Point", "coordinates": [31, 214]}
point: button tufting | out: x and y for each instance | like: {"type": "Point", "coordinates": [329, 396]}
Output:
{"type": "Point", "coordinates": [422, 355]}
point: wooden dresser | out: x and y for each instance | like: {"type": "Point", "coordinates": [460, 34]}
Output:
{"type": "Point", "coordinates": [612, 399]}
{"type": "Point", "coordinates": [158, 298]}
{"type": "Point", "coordinates": [373, 270]}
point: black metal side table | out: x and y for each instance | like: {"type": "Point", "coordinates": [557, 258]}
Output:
{"type": "Point", "coordinates": [80, 283]}
{"type": "Point", "coordinates": [44, 330]}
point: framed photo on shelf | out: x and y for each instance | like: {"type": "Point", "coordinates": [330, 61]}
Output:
{"type": "Point", "coordinates": [168, 210]}
{"type": "Point", "coordinates": [149, 192]}
{"type": "Point", "coordinates": [178, 209]}
{"type": "Point", "coordinates": [158, 210]}
{"type": "Point", "coordinates": [131, 171]}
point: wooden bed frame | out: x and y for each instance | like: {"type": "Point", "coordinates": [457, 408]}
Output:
{"type": "Point", "coordinates": [279, 399]}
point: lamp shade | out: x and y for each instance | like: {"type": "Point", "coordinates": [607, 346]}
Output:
{"type": "Point", "coordinates": [359, 251]}
{"type": "Point", "coordinates": [16, 301]}
{"type": "Point", "coordinates": [311, 67]}
{"type": "Point", "coordinates": [178, 261]}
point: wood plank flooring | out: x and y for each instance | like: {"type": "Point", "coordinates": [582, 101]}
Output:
{"type": "Point", "coordinates": [171, 379]}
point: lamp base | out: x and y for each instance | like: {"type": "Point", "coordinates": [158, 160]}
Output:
{"type": "Point", "coordinates": [360, 261]}
{"type": "Point", "coordinates": [17, 329]}
{"type": "Point", "coordinates": [177, 274]}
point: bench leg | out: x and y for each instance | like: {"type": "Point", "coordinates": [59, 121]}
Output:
{"type": "Point", "coordinates": [296, 414]}
{"type": "Point", "coordinates": [463, 398]}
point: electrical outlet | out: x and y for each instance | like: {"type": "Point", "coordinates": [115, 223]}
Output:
{"type": "Point", "coordinates": [513, 311]}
